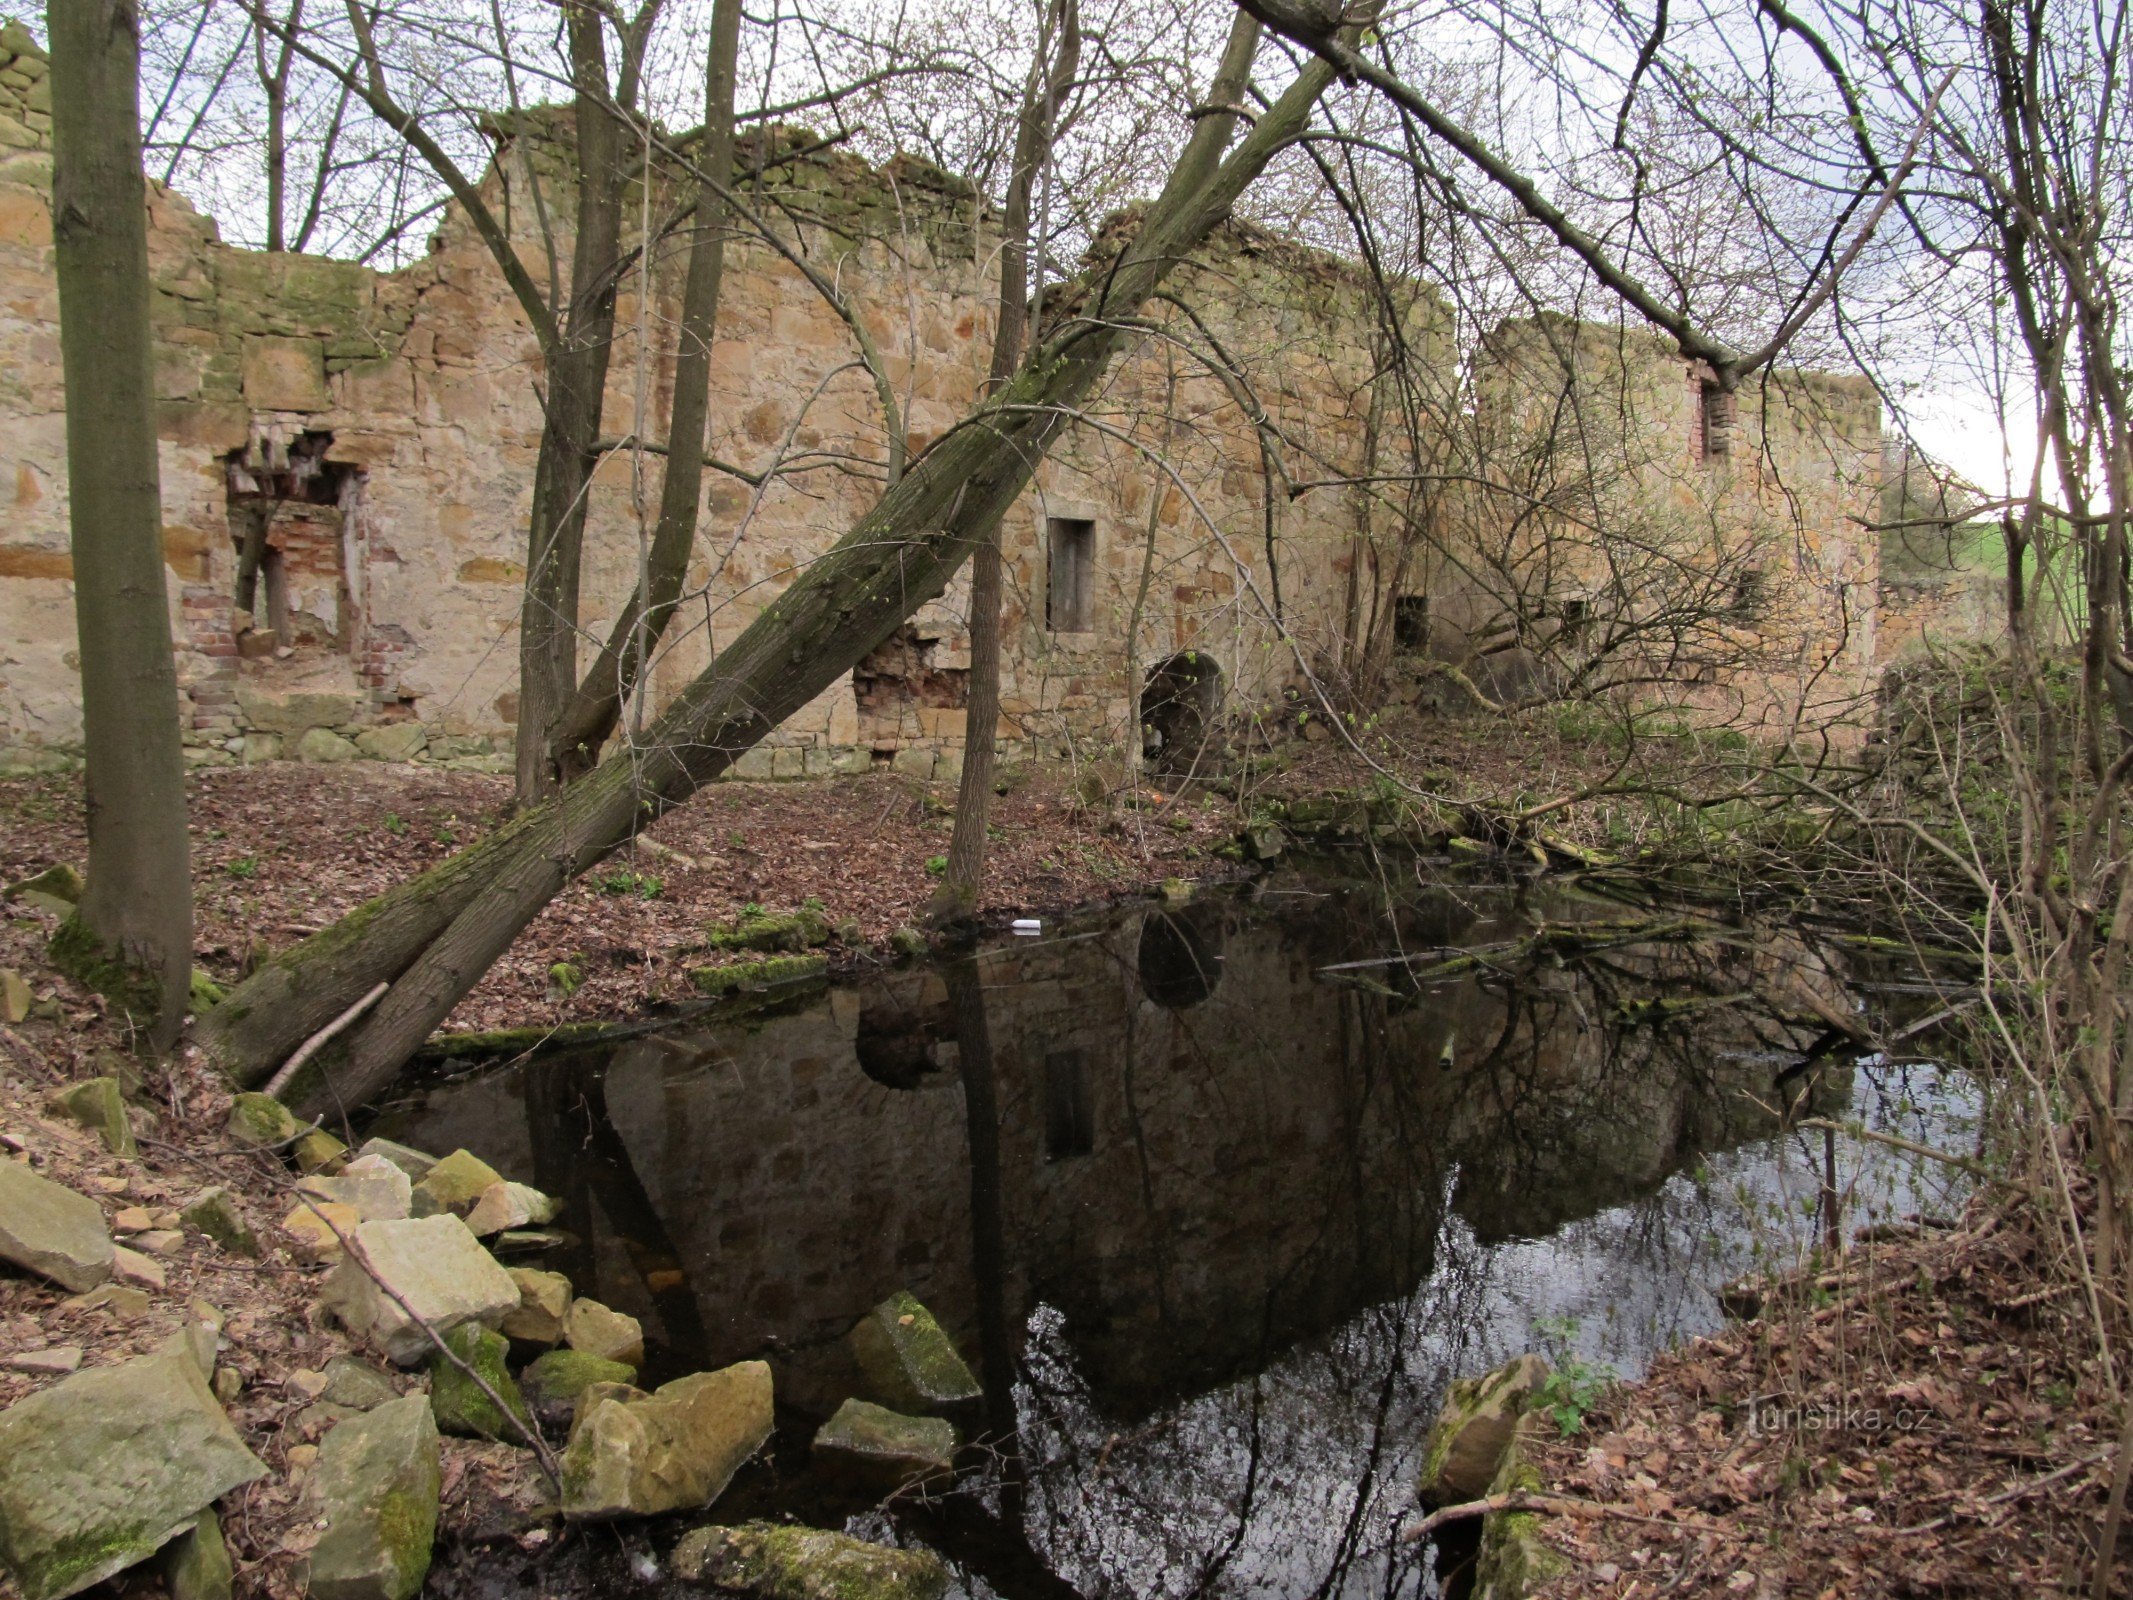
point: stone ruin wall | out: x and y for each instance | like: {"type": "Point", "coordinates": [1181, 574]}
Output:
{"type": "Point", "coordinates": [398, 413]}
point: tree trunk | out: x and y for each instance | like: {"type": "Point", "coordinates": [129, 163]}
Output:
{"type": "Point", "coordinates": [577, 392]}
{"type": "Point", "coordinates": [1049, 81]}
{"type": "Point", "coordinates": [131, 937]}
{"type": "Point", "coordinates": [435, 937]}
{"type": "Point", "coordinates": [597, 704]}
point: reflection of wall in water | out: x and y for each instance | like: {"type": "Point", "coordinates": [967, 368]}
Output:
{"type": "Point", "coordinates": [1195, 1184]}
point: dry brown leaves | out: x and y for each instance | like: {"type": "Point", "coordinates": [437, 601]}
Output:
{"type": "Point", "coordinates": [1929, 1420]}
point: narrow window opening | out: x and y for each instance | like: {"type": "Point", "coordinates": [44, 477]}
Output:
{"type": "Point", "coordinates": [1410, 622]}
{"type": "Point", "coordinates": [1069, 1114]}
{"type": "Point", "coordinates": [1576, 615]}
{"type": "Point", "coordinates": [1071, 543]}
{"type": "Point", "coordinates": [1751, 596]}
{"type": "Point", "coordinates": [1716, 413]}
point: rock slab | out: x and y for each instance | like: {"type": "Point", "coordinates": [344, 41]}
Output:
{"type": "Point", "coordinates": [458, 1400]}
{"type": "Point", "coordinates": [50, 1230]}
{"type": "Point", "coordinates": [196, 1564]}
{"type": "Point", "coordinates": [379, 1476]}
{"type": "Point", "coordinates": [598, 1331]}
{"type": "Point", "coordinates": [104, 1469]}
{"type": "Point", "coordinates": [543, 1303]}
{"type": "Point", "coordinates": [872, 1447]}
{"type": "Point", "coordinates": [774, 1562]}
{"type": "Point", "coordinates": [673, 1450]}
{"type": "Point", "coordinates": [909, 1362]}
{"type": "Point", "coordinates": [99, 1104]}
{"type": "Point", "coordinates": [1472, 1431]}
{"type": "Point", "coordinates": [433, 1264]}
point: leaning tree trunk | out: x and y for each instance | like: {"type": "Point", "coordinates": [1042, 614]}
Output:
{"type": "Point", "coordinates": [963, 882]}
{"type": "Point", "coordinates": [577, 394]}
{"type": "Point", "coordinates": [132, 935]}
{"type": "Point", "coordinates": [432, 939]}
{"type": "Point", "coordinates": [597, 705]}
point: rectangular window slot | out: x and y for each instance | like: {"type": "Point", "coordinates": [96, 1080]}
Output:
{"type": "Point", "coordinates": [1071, 548]}
{"type": "Point", "coordinates": [1069, 1115]}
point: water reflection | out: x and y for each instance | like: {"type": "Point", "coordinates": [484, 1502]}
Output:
{"type": "Point", "coordinates": [1217, 1197]}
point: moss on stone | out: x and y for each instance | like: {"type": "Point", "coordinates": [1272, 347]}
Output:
{"type": "Point", "coordinates": [460, 1405]}
{"type": "Point", "coordinates": [778, 1562]}
{"type": "Point", "coordinates": [560, 1376]}
{"type": "Point", "coordinates": [761, 930]}
{"type": "Point", "coordinates": [769, 972]}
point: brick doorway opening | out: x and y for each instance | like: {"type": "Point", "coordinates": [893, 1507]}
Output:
{"type": "Point", "coordinates": [293, 524]}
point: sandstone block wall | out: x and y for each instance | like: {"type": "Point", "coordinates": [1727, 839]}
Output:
{"type": "Point", "coordinates": [384, 425]}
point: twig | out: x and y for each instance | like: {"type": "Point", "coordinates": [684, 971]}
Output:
{"type": "Point", "coordinates": [526, 1430]}
{"type": "Point", "coordinates": [1908, 1146]}
{"type": "Point", "coordinates": [1519, 1500]}
{"type": "Point", "coordinates": [304, 1051]}
{"type": "Point", "coordinates": [2005, 1496]}
{"type": "Point", "coordinates": [28, 1057]}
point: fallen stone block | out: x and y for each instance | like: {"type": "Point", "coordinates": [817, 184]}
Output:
{"type": "Point", "coordinates": [50, 1230]}
{"type": "Point", "coordinates": [598, 1331]}
{"type": "Point", "coordinates": [319, 1151]}
{"type": "Point", "coordinates": [143, 1272]}
{"type": "Point", "coordinates": [432, 1263]}
{"type": "Point", "coordinates": [455, 1184]}
{"type": "Point", "coordinates": [543, 1302]}
{"type": "Point", "coordinates": [261, 1121]}
{"type": "Point", "coordinates": [356, 1384]}
{"type": "Point", "coordinates": [412, 1162]}
{"type": "Point", "coordinates": [871, 1447]}
{"type": "Point", "coordinates": [196, 1564]}
{"type": "Point", "coordinates": [459, 1402]}
{"type": "Point", "coordinates": [551, 1383]}
{"type": "Point", "coordinates": [101, 1470]}
{"type": "Point", "coordinates": [773, 1561]}
{"type": "Point", "coordinates": [214, 1213]}
{"type": "Point", "coordinates": [1473, 1429]}
{"type": "Point", "coordinates": [504, 1205]}
{"type": "Point", "coordinates": [377, 1190]}
{"type": "Point", "coordinates": [909, 1362]}
{"type": "Point", "coordinates": [378, 1479]}
{"type": "Point", "coordinates": [317, 1227]}
{"type": "Point", "coordinates": [673, 1450]}
{"type": "Point", "coordinates": [15, 996]}
{"type": "Point", "coordinates": [99, 1105]}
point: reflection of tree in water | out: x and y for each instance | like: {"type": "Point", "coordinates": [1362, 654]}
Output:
{"type": "Point", "coordinates": [1230, 1190]}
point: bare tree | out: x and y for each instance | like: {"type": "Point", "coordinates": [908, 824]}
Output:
{"type": "Point", "coordinates": [131, 937]}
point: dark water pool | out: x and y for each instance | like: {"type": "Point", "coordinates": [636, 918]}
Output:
{"type": "Point", "coordinates": [1216, 1197]}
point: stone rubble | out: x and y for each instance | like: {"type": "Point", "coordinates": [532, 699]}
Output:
{"type": "Point", "coordinates": [908, 1360]}
{"type": "Point", "coordinates": [435, 1266]}
{"type": "Point", "coordinates": [50, 1230]}
{"type": "Point", "coordinates": [675, 1449]}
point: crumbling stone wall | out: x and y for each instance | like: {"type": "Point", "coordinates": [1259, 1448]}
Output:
{"type": "Point", "coordinates": [415, 395]}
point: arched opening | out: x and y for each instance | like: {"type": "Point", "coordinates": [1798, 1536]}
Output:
{"type": "Point", "coordinates": [1179, 703]}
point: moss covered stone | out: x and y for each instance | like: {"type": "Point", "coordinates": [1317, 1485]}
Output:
{"type": "Point", "coordinates": [555, 1380]}
{"type": "Point", "coordinates": [319, 1151]}
{"type": "Point", "coordinates": [99, 1104]}
{"type": "Point", "coordinates": [261, 1121]}
{"type": "Point", "coordinates": [196, 1564]}
{"type": "Point", "coordinates": [909, 1362]}
{"type": "Point", "coordinates": [1514, 1560]}
{"type": "Point", "coordinates": [54, 889]}
{"type": "Point", "coordinates": [746, 976]}
{"type": "Point", "coordinates": [460, 1404]}
{"type": "Point", "coordinates": [762, 930]}
{"type": "Point", "coordinates": [212, 1212]}
{"type": "Point", "coordinates": [1473, 1430]}
{"type": "Point", "coordinates": [378, 1480]}
{"type": "Point", "coordinates": [771, 1562]}
{"type": "Point", "coordinates": [455, 1183]}
{"type": "Point", "coordinates": [100, 1471]}
{"type": "Point", "coordinates": [874, 1448]}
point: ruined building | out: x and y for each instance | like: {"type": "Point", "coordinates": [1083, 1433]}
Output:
{"type": "Point", "coordinates": [1258, 492]}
